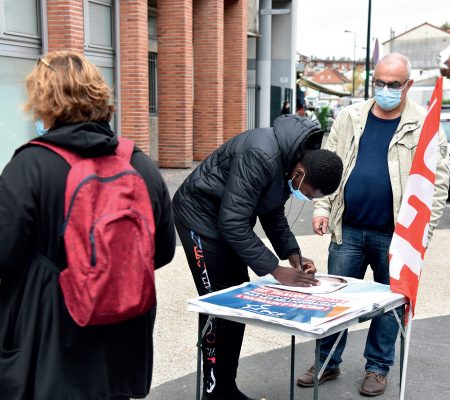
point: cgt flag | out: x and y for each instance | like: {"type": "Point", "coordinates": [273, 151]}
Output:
{"type": "Point", "coordinates": [408, 246]}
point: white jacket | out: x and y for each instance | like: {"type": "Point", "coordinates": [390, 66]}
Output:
{"type": "Point", "coordinates": [344, 141]}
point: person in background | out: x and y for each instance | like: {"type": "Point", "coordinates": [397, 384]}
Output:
{"type": "Point", "coordinates": [44, 354]}
{"type": "Point", "coordinates": [286, 109]}
{"type": "Point", "coordinates": [311, 115]}
{"type": "Point", "coordinates": [377, 140]}
{"type": "Point", "coordinates": [251, 176]}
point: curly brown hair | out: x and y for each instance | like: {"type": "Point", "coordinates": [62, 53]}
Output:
{"type": "Point", "coordinates": [64, 86]}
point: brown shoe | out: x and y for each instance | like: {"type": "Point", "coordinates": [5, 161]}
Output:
{"type": "Point", "coordinates": [373, 385]}
{"type": "Point", "coordinates": [307, 379]}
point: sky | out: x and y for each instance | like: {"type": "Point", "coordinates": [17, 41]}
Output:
{"type": "Point", "coordinates": [321, 24]}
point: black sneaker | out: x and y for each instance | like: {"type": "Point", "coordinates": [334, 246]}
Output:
{"type": "Point", "coordinates": [235, 395]}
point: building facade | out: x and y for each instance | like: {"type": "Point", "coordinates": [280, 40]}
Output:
{"type": "Point", "coordinates": [187, 75]}
{"type": "Point", "coordinates": [155, 54]}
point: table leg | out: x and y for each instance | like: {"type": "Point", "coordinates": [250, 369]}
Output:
{"type": "Point", "coordinates": [316, 370]}
{"type": "Point", "coordinates": [199, 359]}
{"type": "Point", "coordinates": [292, 365]}
{"type": "Point", "coordinates": [402, 356]}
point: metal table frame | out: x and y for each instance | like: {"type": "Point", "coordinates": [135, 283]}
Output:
{"type": "Point", "coordinates": [377, 311]}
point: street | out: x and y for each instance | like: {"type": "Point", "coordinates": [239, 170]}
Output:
{"type": "Point", "coordinates": [264, 365]}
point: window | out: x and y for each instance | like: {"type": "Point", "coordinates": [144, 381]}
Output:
{"type": "Point", "coordinates": [21, 18]}
{"type": "Point", "coordinates": [15, 127]}
{"type": "Point", "coordinates": [20, 46]}
{"type": "Point", "coordinates": [152, 27]}
{"type": "Point", "coordinates": [153, 83]}
{"type": "Point", "coordinates": [99, 24]}
{"type": "Point", "coordinates": [99, 38]}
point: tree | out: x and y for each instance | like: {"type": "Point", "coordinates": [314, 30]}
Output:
{"type": "Point", "coordinates": [445, 26]}
{"type": "Point", "coordinates": [322, 116]}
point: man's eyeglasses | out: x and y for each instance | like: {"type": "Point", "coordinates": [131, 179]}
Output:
{"type": "Point", "coordinates": [392, 86]}
{"type": "Point", "coordinates": [45, 62]}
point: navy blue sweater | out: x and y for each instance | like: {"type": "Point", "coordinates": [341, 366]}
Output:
{"type": "Point", "coordinates": [368, 192]}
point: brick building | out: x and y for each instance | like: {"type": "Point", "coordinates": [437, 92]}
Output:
{"type": "Point", "coordinates": [155, 54]}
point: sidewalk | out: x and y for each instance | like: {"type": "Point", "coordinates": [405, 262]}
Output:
{"type": "Point", "coordinates": [264, 367]}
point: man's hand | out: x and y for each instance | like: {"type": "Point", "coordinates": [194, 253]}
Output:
{"type": "Point", "coordinates": [306, 264]}
{"type": "Point", "coordinates": [294, 277]}
{"type": "Point", "coordinates": [320, 225]}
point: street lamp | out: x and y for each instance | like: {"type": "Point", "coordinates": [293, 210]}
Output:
{"type": "Point", "coordinates": [366, 84]}
{"type": "Point", "coordinates": [354, 60]}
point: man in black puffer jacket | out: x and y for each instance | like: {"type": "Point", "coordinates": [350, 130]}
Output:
{"type": "Point", "coordinates": [250, 176]}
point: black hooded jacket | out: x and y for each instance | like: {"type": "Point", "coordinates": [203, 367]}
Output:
{"type": "Point", "coordinates": [244, 179]}
{"type": "Point", "coordinates": [44, 355]}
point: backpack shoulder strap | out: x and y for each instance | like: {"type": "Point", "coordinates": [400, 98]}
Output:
{"type": "Point", "coordinates": [125, 148]}
{"type": "Point", "coordinates": [70, 157]}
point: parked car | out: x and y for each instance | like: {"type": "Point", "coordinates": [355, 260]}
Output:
{"type": "Point", "coordinates": [445, 122]}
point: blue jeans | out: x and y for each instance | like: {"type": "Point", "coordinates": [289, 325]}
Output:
{"type": "Point", "coordinates": [359, 249]}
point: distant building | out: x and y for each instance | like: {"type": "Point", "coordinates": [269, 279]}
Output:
{"type": "Point", "coordinates": [422, 45]}
{"type": "Point", "coordinates": [314, 65]}
{"type": "Point", "coordinates": [331, 78]}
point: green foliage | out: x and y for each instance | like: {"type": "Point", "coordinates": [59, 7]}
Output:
{"type": "Point", "coordinates": [322, 116]}
{"type": "Point", "coordinates": [446, 101]}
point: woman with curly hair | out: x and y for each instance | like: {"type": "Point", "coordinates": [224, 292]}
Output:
{"type": "Point", "coordinates": [44, 354]}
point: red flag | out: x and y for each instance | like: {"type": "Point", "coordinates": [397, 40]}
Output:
{"type": "Point", "coordinates": [407, 250]}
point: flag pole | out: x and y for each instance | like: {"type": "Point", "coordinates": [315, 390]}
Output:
{"type": "Point", "coordinates": [405, 355]}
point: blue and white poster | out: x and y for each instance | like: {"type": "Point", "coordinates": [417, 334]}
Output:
{"type": "Point", "coordinates": [310, 312]}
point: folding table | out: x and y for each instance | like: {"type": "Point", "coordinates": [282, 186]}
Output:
{"type": "Point", "coordinates": [392, 301]}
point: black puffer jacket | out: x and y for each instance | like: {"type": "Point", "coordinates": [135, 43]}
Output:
{"type": "Point", "coordinates": [243, 179]}
{"type": "Point", "coordinates": [44, 355]}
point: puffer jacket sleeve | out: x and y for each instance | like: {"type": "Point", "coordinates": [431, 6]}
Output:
{"type": "Point", "coordinates": [277, 229]}
{"type": "Point", "coordinates": [249, 175]}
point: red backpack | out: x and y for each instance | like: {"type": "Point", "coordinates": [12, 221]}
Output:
{"type": "Point", "coordinates": [108, 234]}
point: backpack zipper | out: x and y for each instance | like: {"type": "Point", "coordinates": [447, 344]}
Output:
{"type": "Point", "coordinates": [92, 234]}
{"type": "Point", "coordinates": [84, 181]}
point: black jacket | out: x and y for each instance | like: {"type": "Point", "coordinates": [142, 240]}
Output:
{"type": "Point", "coordinates": [44, 355]}
{"type": "Point", "coordinates": [243, 179]}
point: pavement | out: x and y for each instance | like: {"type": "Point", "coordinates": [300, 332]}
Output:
{"type": "Point", "coordinates": [264, 368]}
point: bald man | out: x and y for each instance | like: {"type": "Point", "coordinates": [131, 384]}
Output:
{"type": "Point", "coordinates": [376, 140]}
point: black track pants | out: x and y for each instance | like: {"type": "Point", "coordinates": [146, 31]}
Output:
{"type": "Point", "coordinates": [215, 266]}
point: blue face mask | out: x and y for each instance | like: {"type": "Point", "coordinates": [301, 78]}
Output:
{"type": "Point", "coordinates": [39, 126]}
{"type": "Point", "coordinates": [296, 192]}
{"type": "Point", "coordinates": [388, 99]}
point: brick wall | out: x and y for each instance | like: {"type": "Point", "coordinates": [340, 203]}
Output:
{"type": "Point", "coordinates": [65, 25]}
{"type": "Point", "coordinates": [134, 72]}
{"type": "Point", "coordinates": [235, 67]}
{"type": "Point", "coordinates": [208, 76]}
{"type": "Point", "coordinates": [175, 91]}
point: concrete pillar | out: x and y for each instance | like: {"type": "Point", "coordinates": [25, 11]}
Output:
{"type": "Point", "coordinates": [263, 63]}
